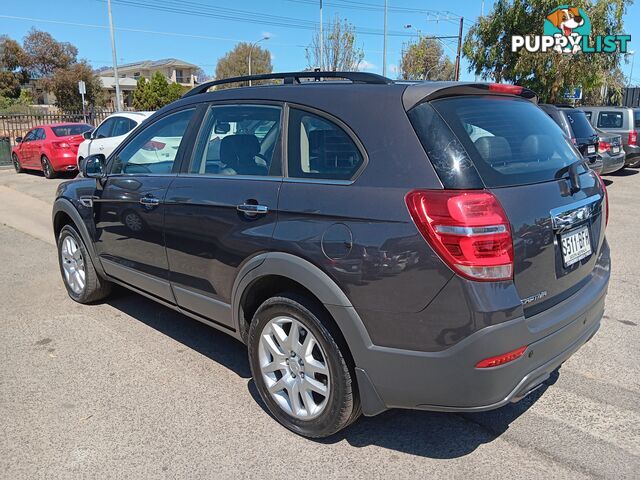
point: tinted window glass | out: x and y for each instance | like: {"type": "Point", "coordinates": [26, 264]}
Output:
{"type": "Point", "coordinates": [239, 140]}
{"type": "Point", "coordinates": [104, 130]}
{"type": "Point", "coordinates": [40, 134]}
{"type": "Point", "coordinates": [319, 148]}
{"type": "Point", "coordinates": [509, 141]}
{"type": "Point", "coordinates": [154, 149]}
{"type": "Point", "coordinates": [588, 115]}
{"type": "Point", "coordinates": [121, 126]}
{"type": "Point", "coordinates": [30, 136]}
{"type": "Point", "coordinates": [610, 120]}
{"type": "Point", "coordinates": [579, 124]}
{"type": "Point", "coordinates": [636, 116]}
{"type": "Point", "coordinates": [69, 130]}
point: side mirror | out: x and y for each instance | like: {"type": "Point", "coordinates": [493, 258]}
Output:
{"type": "Point", "coordinates": [93, 166]}
{"type": "Point", "coordinates": [18, 139]}
{"type": "Point", "coordinates": [87, 135]}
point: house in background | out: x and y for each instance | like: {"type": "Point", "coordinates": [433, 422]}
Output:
{"type": "Point", "coordinates": [174, 70]}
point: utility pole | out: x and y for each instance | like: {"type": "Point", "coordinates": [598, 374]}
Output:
{"type": "Point", "coordinates": [251, 47]}
{"type": "Point", "coordinates": [321, 40]}
{"type": "Point", "coordinates": [457, 68]}
{"type": "Point", "coordinates": [115, 60]}
{"type": "Point", "coordinates": [384, 44]}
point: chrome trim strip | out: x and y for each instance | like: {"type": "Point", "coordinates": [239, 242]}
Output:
{"type": "Point", "coordinates": [471, 231]}
{"type": "Point", "coordinates": [565, 217]}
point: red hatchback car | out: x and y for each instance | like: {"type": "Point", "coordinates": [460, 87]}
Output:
{"type": "Point", "coordinates": [50, 148]}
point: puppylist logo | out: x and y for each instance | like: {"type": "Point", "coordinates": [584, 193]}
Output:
{"type": "Point", "coordinates": [568, 30]}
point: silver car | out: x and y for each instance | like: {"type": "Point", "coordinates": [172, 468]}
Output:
{"type": "Point", "coordinates": [622, 121]}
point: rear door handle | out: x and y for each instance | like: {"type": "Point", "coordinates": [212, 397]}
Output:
{"type": "Point", "coordinates": [149, 201]}
{"type": "Point", "coordinates": [251, 209]}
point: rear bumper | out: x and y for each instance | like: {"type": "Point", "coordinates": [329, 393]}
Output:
{"type": "Point", "coordinates": [449, 381]}
{"type": "Point", "coordinates": [633, 154]}
{"type": "Point", "coordinates": [613, 163]}
{"type": "Point", "coordinates": [63, 160]}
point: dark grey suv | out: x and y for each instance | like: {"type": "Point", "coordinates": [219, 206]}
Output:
{"type": "Point", "coordinates": [436, 246]}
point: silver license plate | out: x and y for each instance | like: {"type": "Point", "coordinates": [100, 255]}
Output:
{"type": "Point", "coordinates": [591, 149]}
{"type": "Point", "coordinates": [615, 149]}
{"type": "Point", "coordinates": [576, 245]}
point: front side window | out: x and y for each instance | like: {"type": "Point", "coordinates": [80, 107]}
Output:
{"type": "Point", "coordinates": [610, 120]}
{"type": "Point", "coordinates": [154, 149]}
{"type": "Point", "coordinates": [104, 130]}
{"type": "Point", "coordinates": [320, 149]}
{"type": "Point", "coordinates": [239, 140]}
{"type": "Point", "coordinates": [29, 137]}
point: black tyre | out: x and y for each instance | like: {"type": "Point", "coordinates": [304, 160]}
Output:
{"type": "Point", "coordinates": [47, 168]}
{"type": "Point", "coordinates": [83, 283]}
{"type": "Point", "coordinates": [301, 367]}
{"type": "Point", "coordinates": [16, 163]}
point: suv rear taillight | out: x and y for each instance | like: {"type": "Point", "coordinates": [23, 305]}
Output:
{"type": "Point", "coordinates": [633, 137]}
{"type": "Point", "coordinates": [468, 229]}
{"type": "Point", "coordinates": [606, 200]}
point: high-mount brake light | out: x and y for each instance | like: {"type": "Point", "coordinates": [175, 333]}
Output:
{"type": "Point", "coordinates": [505, 88]}
{"type": "Point", "coordinates": [468, 229]}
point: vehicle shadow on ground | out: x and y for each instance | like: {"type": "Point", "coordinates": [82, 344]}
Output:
{"type": "Point", "coordinates": [427, 434]}
{"type": "Point", "coordinates": [208, 341]}
{"type": "Point", "coordinates": [60, 175]}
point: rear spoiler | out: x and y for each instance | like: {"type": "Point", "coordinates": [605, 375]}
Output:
{"type": "Point", "coordinates": [424, 92]}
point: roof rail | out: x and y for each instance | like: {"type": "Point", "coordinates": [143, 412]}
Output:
{"type": "Point", "coordinates": [294, 77]}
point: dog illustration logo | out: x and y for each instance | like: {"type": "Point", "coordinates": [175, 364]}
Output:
{"type": "Point", "coordinates": [566, 19]}
{"type": "Point", "coordinates": [567, 30]}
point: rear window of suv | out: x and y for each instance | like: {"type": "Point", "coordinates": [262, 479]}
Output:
{"type": "Point", "coordinates": [580, 124]}
{"type": "Point", "coordinates": [509, 141]}
{"type": "Point", "coordinates": [610, 120]}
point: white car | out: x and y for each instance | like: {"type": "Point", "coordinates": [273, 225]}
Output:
{"type": "Point", "coordinates": [113, 130]}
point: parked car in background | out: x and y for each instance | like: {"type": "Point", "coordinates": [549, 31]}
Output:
{"type": "Point", "coordinates": [611, 151]}
{"type": "Point", "coordinates": [448, 255]}
{"type": "Point", "coordinates": [50, 148]}
{"type": "Point", "coordinates": [623, 121]}
{"type": "Point", "coordinates": [577, 128]}
{"type": "Point", "coordinates": [110, 133]}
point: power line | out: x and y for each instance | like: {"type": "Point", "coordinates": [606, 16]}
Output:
{"type": "Point", "coordinates": [197, 9]}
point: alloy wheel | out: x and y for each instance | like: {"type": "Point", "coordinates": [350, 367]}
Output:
{"type": "Point", "coordinates": [294, 368]}
{"type": "Point", "coordinates": [73, 264]}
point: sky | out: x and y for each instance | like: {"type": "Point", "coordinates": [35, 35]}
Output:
{"type": "Point", "coordinates": [202, 31]}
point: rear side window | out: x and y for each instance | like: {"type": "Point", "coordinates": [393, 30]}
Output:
{"type": "Point", "coordinates": [318, 148]}
{"type": "Point", "coordinates": [509, 141]}
{"type": "Point", "coordinates": [579, 124]}
{"type": "Point", "coordinates": [588, 115]}
{"type": "Point", "coordinates": [636, 116]}
{"type": "Point", "coordinates": [610, 120]}
{"type": "Point", "coordinates": [122, 126]}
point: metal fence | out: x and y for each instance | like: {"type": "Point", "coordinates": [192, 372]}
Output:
{"type": "Point", "coordinates": [17, 124]}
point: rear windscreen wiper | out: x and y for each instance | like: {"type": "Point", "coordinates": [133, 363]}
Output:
{"type": "Point", "coordinates": [574, 177]}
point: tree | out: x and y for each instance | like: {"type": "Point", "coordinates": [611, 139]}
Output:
{"type": "Point", "coordinates": [46, 54]}
{"type": "Point", "coordinates": [64, 85]}
{"type": "Point", "coordinates": [425, 60]}
{"type": "Point", "coordinates": [236, 62]}
{"type": "Point", "coordinates": [155, 93]}
{"type": "Point", "coordinates": [13, 61]}
{"type": "Point", "coordinates": [339, 49]}
{"type": "Point", "coordinates": [488, 48]}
